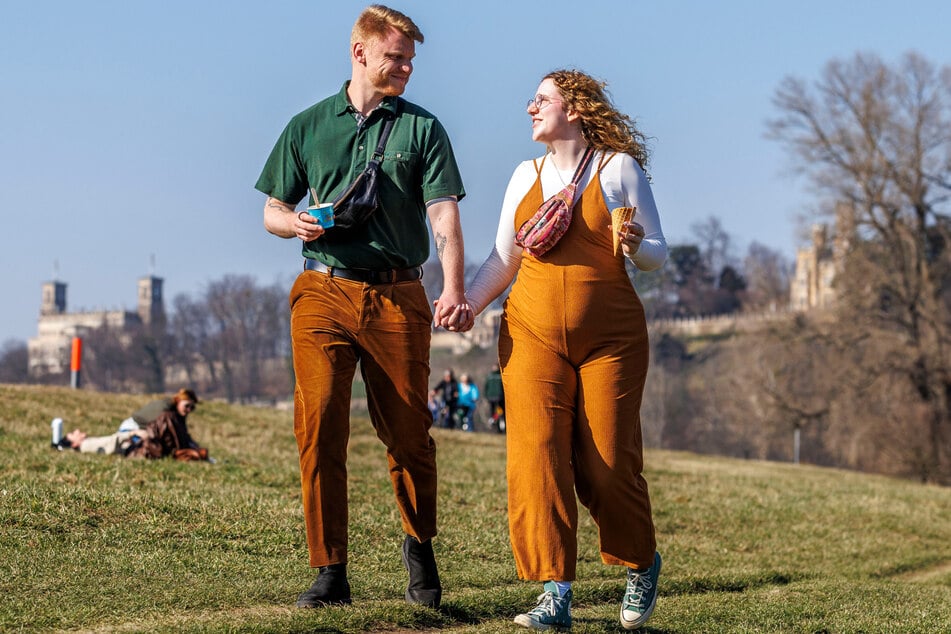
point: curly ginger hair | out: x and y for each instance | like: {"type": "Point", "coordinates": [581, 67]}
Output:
{"type": "Point", "coordinates": [603, 126]}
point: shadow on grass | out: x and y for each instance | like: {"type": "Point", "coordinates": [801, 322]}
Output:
{"type": "Point", "coordinates": [608, 624]}
{"type": "Point", "coordinates": [703, 585]}
{"type": "Point", "coordinates": [609, 593]}
{"type": "Point", "coordinates": [465, 613]}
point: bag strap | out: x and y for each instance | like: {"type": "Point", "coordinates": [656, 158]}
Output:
{"type": "Point", "coordinates": [583, 165]}
{"type": "Point", "coordinates": [384, 136]}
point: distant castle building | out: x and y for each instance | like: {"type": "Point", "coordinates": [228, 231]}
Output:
{"type": "Point", "coordinates": [813, 284]}
{"type": "Point", "coordinates": [49, 351]}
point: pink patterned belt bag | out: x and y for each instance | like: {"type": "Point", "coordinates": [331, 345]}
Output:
{"type": "Point", "coordinates": [542, 231]}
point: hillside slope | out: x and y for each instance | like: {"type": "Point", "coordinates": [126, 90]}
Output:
{"type": "Point", "coordinates": [101, 543]}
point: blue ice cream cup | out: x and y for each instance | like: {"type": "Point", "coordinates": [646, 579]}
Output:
{"type": "Point", "coordinates": [324, 213]}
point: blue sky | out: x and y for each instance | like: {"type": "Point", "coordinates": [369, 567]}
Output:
{"type": "Point", "coordinates": [133, 131]}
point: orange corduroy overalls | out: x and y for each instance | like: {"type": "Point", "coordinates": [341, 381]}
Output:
{"type": "Point", "coordinates": [574, 353]}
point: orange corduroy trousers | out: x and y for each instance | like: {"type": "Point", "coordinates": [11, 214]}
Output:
{"type": "Point", "coordinates": [336, 323]}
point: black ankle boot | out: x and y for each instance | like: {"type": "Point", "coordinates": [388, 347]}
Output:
{"type": "Point", "coordinates": [419, 560]}
{"type": "Point", "coordinates": [330, 588]}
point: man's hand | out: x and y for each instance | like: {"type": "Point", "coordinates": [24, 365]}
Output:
{"type": "Point", "coordinates": [281, 220]}
{"type": "Point", "coordinates": [306, 227]}
{"type": "Point", "coordinates": [453, 313]}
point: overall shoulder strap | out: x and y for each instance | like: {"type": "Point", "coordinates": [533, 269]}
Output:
{"type": "Point", "coordinates": [539, 166]}
{"type": "Point", "coordinates": [605, 159]}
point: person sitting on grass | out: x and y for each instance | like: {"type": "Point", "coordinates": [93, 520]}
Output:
{"type": "Point", "coordinates": [164, 435]}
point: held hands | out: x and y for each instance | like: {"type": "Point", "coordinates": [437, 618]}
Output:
{"type": "Point", "coordinates": [631, 235]}
{"type": "Point", "coordinates": [456, 316]}
{"type": "Point", "coordinates": [306, 227]}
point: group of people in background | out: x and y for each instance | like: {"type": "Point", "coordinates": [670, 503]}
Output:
{"type": "Point", "coordinates": [454, 402]}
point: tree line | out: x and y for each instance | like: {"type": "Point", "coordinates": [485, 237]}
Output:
{"type": "Point", "coordinates": [866, 383]}
{"type": "Point", "coordinates": [230, 341]}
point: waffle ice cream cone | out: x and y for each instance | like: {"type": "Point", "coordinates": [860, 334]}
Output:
{"type": "Point", "coordinates": [619, 215]}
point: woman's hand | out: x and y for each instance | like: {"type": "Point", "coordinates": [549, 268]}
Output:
{"type": "Point", "coordinates": [631, 234]}
{"type": "Point", "coordinates": [453, 317]}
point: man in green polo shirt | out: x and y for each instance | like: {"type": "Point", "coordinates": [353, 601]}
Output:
{"type": "Point", "coordinates": [360, 298]}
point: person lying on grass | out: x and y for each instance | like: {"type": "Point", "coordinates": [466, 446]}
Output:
{"type": "Point", "coordinates": [165, 435]}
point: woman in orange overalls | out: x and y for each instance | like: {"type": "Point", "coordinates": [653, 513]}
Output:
{"type": "Point", "coordinates": [574, 351]}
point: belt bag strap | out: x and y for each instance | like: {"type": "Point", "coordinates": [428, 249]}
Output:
{"type": "Point", "coordinates": [582, 166]}
{"type": "Point", "coordinates": [384, 136]}
{"type": "Point", "coordinates": [545, 228]}
{"type": "Point", "coordinates": [354, 206]}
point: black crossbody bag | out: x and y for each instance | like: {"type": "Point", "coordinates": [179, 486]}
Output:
{"type": "Point", "coordinates": [361, 198]}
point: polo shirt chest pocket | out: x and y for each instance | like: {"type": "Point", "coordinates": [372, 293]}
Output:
{"type": "Point", "coordinates": [400, 164]}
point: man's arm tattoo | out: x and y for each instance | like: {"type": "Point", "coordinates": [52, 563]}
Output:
{"type": "Point", "coordinates": [440, 241]}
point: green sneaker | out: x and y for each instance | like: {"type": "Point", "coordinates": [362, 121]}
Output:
{"type": "Point", "coordinates": [551, 611]}
{"type": "Point", "coordinates": [640, 595]}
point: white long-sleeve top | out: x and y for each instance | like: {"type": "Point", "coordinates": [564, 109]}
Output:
{"type": "Point", "coordinates": [623, 184]}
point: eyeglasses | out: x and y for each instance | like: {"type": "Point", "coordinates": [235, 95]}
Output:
{"type": "Point", "coordinates": [541, 102]}
{"type": "Point", "coordinates": [188, 406]}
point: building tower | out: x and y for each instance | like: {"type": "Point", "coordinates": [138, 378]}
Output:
{"type": "Point", "coordinates": [151, 307]}
{"type": "Point", "coordinates": [54, 298]}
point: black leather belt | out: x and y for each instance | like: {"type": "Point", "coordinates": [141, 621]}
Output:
{"type": "Point", "coordinates": [392, 276]}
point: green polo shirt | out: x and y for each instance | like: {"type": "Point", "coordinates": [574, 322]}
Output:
{"type": "Point", "coordinates": [325, 148]}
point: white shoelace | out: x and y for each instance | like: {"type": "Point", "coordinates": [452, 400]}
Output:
{"type": "Point", "coordinates": [546, 605]}
{"type": "Point", "coordinates": [638, 584]}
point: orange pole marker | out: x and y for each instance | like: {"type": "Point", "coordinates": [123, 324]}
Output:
{"type": "Point", "coordinates": [76, 362]}
{"type": "Point", "coordinates": [77, 359]}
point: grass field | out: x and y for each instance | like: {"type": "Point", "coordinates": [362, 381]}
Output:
{"type": "Point", "coordinates": [100, 543]}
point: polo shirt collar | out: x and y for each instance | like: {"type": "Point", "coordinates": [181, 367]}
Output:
{"type": "Point", "coordinates": [342, 104]}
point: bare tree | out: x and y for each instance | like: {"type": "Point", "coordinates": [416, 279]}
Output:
{"type": "Point", "coordinates": [878, 137]}
{"type": "Point", "coordinates": [715, 244]}
{"type": "Point", "coordinates": [767, 279]}
{"type": "Point", "coordinates": [193, 346]}
{"type": "Point", "coordinates": [233, 340]}
{"type": "Point", "coordinates": [250, 328]}
{"type": "Point", "coordinates": [14, 361]}
{"type": "Point", "coordinates": [107, 363]}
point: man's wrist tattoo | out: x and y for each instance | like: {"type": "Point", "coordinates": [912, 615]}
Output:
{"type": "Point", "coordinates": [440, 241]}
